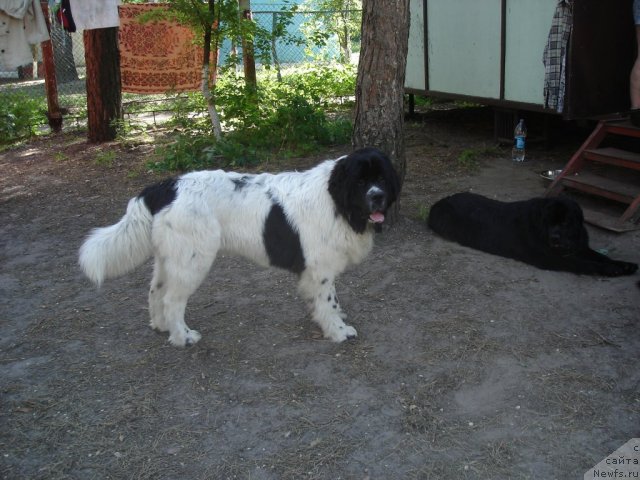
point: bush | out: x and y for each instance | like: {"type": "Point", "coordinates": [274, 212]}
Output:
{"type": "Point", "coordinates": [19, 116]}
{"type": "Point", "coordinates": [280, 119]}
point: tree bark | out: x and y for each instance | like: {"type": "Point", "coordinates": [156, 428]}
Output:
{"type": "Point", "coordinates": [50, 82]}
{"type": "Point", "coordinates": [248, 58]}
{"type": "Point", "coordinates": [104, 97]}
{"type": "Point", "coordinates": [379, 116]}
{"type": "Point", "coordinates": [206, 65]}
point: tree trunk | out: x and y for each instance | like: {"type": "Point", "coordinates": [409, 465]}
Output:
{"type": "Point", "coordinates": [206, 65]}
{"type": "Point", "coordinates": [345, 37]}
{"type": "Point", "coordinates": [50, 81]}
{"type": "Point", "coordinates": [274, 51]}
{"type": "Point", "coordinates": [248, 58]}
{"type": "Point", "coordinates": [104, 97]}
{"type": "Point", "coordinates": [379, 117]}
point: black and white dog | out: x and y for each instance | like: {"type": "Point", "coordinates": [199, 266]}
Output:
{"type": "Point", "coordinates": [313, 223]}
{"type": "Point", "coordinates": [547, 233]}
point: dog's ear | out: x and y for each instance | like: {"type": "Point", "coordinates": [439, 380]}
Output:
{"type": "Point", "coordinates": [393, 181]}
{"type": "Point", "coordinates": [555, 211]}
{"type": "Point", "coordinates": [338, 185]}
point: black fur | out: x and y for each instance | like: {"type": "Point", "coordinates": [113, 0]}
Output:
{"type": "Point", "coordinates": [282, 242]}
{"type": "Point", "coordinates": [160, 195]}
{"type": "Point", "coordinates": [547, 233]}
{"type": "Point", "coordinates": [241, 182]}
{"type": "Point", "coordinates": [352, 178]}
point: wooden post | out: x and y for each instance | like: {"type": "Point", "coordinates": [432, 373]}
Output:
{"type": "Point", "coordinates": [104, 96]}
{"type": "Point", "coordinates": [50, 82]}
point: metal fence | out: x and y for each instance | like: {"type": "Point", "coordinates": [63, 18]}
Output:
{"type": "Point", "coordinates": [294, 40]}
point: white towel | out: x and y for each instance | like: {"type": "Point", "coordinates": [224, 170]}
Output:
{"type": "Point", "coordinates": [90, 14]}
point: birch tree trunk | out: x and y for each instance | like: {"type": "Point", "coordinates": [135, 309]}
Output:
{"type": "Point", "coordinates": [206, 68]}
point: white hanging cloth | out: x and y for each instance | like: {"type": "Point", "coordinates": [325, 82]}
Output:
{"type": "Point", "coordinates": [90, 14]}
{"type": "Point", "coordinates": [22, 24]}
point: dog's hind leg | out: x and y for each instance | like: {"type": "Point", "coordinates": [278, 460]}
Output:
{"type": "Point", "coordinates": [184, 276]}
{"type": "Point", "coordinates": [185, 251]}
{"type": "Point", "coordinates": [156, 293]}
{"type": "Point", "coordinates": [320, 291]}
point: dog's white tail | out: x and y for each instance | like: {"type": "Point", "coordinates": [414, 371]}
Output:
{"type": "Point", "coordinates": [115, 250]}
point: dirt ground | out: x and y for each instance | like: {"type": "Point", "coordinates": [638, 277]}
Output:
{"type": "Point", "coordinates": [466, 365]}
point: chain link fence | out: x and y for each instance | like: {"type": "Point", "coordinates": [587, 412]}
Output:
{"type": "Point", "coordinates": [292, 38]}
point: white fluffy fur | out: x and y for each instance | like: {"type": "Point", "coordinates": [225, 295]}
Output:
{"type": "Point", "coordinates": [209, 216]}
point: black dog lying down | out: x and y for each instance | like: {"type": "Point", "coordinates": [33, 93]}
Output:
{"type": "Point", "coordinates": [547, 233]}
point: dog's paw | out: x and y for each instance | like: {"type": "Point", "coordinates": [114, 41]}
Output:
{"type": "Point", "coordinates": [618, 269]}
{"type": "Point", "coordinates": [184, 338]}
{"type": "Point", "coordinates": [158, 326]}
{"type": "Point", "coordinates": [339, 332]}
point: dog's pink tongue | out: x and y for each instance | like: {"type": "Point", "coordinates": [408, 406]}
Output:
{"type": "Point", "coordinates": [377, 217]}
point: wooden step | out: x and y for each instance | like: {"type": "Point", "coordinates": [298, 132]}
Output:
{"type": "Point", "coordinates": [614, 156]}
{"type": "Point", "coordinates": [602, 186]}
{"type": "Point", "coordinates": [622, 127]}
{"type": "Point", "coordinates": [608, 222]}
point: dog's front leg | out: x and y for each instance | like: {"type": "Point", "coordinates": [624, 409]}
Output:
{"type": "Point", "coordinates": [320, 292]}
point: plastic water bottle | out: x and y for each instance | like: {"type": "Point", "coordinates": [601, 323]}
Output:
{"type": "Point", "coordinates": [519, 141]}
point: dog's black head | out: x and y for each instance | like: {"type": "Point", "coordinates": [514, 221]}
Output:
{"type": "Point", "coordinates": [363, 185]}
{"type": "Point", "coordinates": [563, 224]}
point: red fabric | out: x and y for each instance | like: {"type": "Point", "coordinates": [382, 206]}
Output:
{"type": "Point", "coordinates": [156, 57]}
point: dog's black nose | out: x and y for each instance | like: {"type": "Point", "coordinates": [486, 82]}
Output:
{"type": "Point", "coordinates": [377, 198]}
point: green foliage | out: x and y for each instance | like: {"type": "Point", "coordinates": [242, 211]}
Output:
{"type": "Point", "coordinates": [423, 101]}
{"type": "Point", "coordinates": [423, 213]}
{"type": "Point", "coordinates": [469, 158]}
{"type": "Point", "coordinates": [340, 19]}
{"type": "Point", "coordinates": [187, 152]}
{"type": "Point", "coordinates": [278, 120]}
{"type": "Point", "coordinates": [60, 157]}
{"type": "Point", "coordinates": [323, 82]}
{"type": "Point", "coordinates": [106, 158]}
{"type": "Point", "coordinates": [20, 115]}
{"type": "Point", "coordinates": [229, 24]}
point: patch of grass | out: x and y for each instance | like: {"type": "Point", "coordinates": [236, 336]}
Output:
{"type": "Point", "coordinates": [130, 132]}
{"type": "Point", "coordinates": [469, 159]}
{"type": "Point", "coordinates": [20, 115]}
{"type": "Point", "coordinates": [187, 152]}
{"type": "Point", "coordinates": [60, 156]}
{"type": "Point", "coordinates": [105, 159]}
{"type": "Point", "coordinates": [423, 213]}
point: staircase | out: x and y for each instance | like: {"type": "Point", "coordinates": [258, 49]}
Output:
{"type": "Point", "coordinates": [601, 168]}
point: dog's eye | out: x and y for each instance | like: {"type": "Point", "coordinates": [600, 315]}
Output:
{"type": "Point", "coordinates": [361, 183]}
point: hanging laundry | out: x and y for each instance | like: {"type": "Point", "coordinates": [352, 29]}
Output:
{"type": "Point", "coordinates": [555, 56]}
{"type": "Point", "coordinates": [22, 24]}
{"type": "Point", "coordinates": [158, 56]}
{"type": "Point", "coordinates": [64, 16]}
{"type": "Point", "coordinates": [91, 14]}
